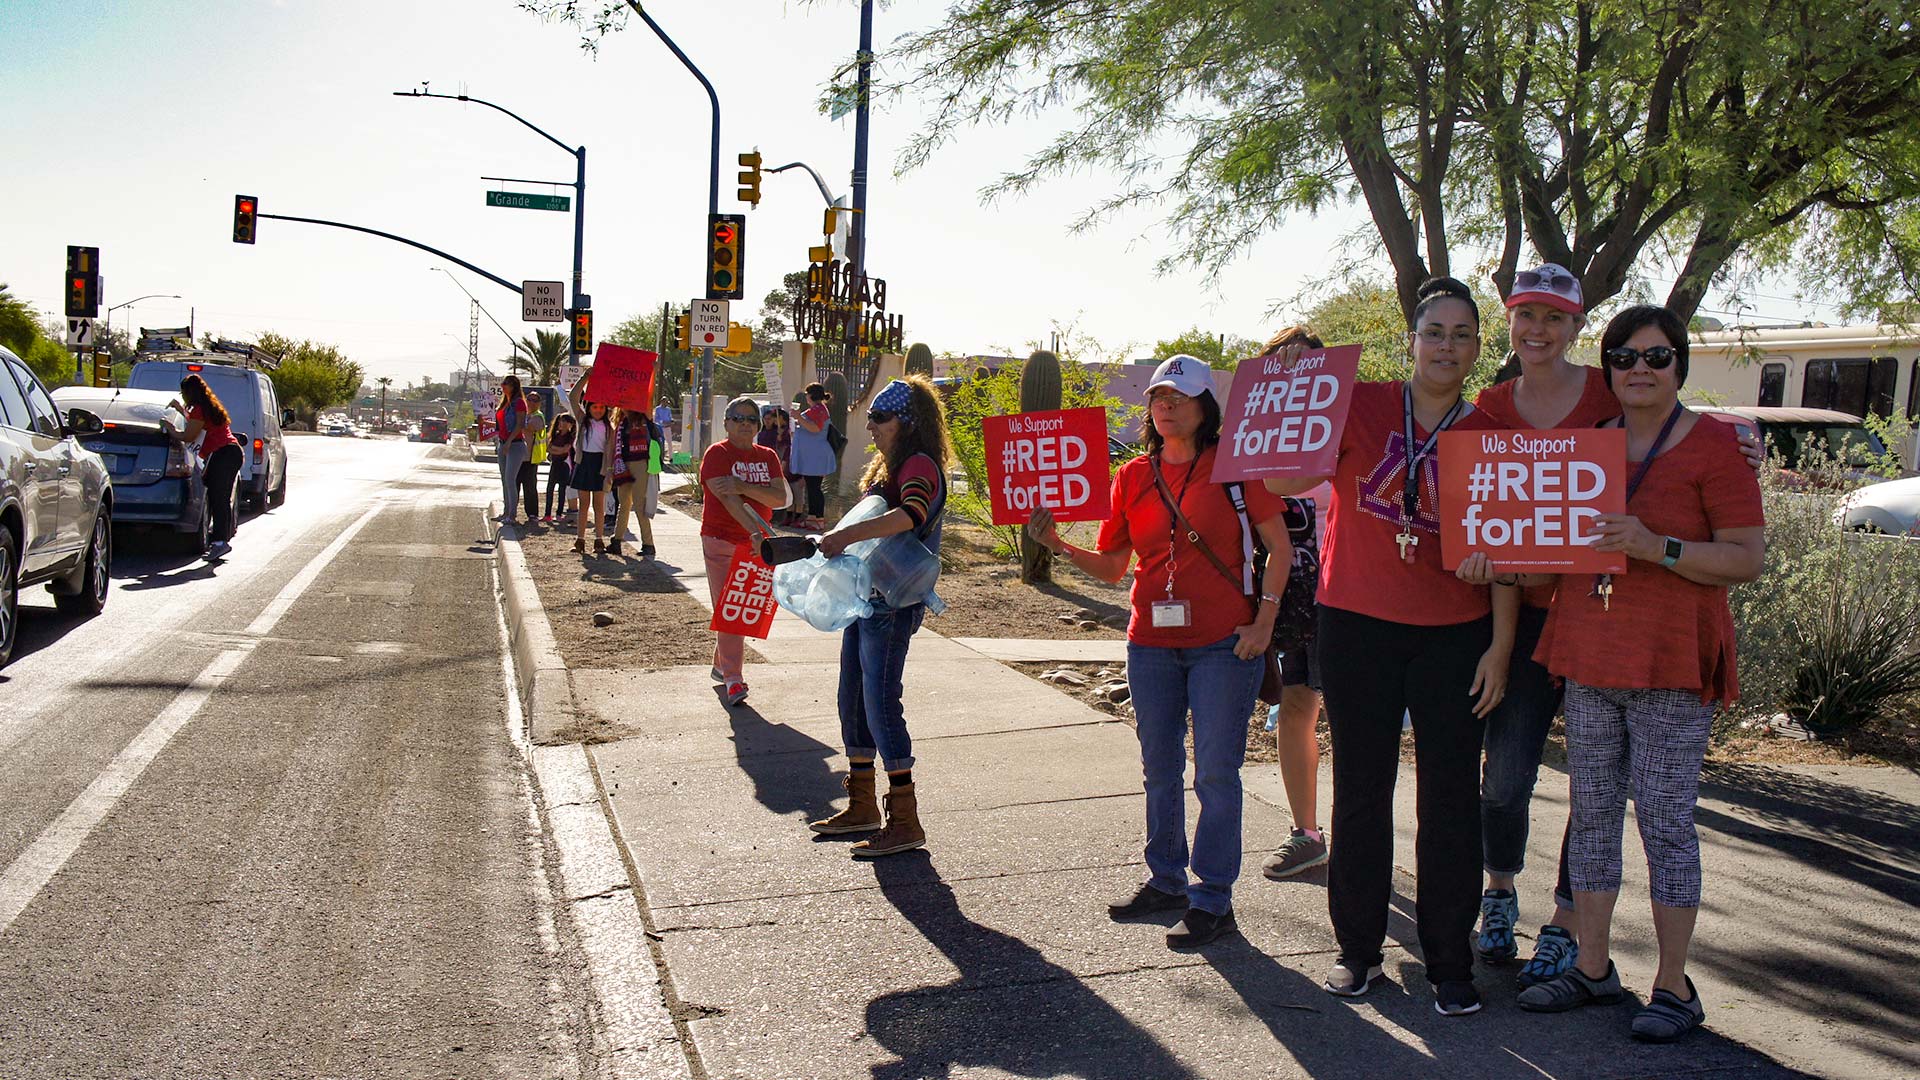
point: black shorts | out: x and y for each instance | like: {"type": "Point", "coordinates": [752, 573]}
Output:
{"type": "Point", "coordinates": [1301, 667]}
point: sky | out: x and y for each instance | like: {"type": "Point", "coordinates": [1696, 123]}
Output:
{"type": "Point", "coordinates": [132, 124]}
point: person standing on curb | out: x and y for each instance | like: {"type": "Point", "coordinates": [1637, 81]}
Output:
{"type": "Point", "coordinates": [908, 423]}
{"type": "Point", "coordinates": [1196, 641]}
{"type": "Point", "coordinates": [559, 465]}
{"type": "Point", "coordinates": [743, 484]}
{"type": "Point", "coordinates": [1401, 635]}
{"type": "Point", "coordinates": [536, 429]}
{"type": "Point", "coordinates": [812, 455]}
{"type": "Point", "coordinates": [591, 448]}
{"type": "Point", "coordinates": [510, 443]}
{"type": "Point", "coordinates": [211, 429]}
{"type": "Point", "coordinates": [633, 447]}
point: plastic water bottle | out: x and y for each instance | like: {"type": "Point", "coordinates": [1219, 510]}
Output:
{"type": "Point", "coordinates": [1273, 717]}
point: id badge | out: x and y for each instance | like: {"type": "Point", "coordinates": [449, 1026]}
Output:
{"type": "Point", "coordinates": [1171, 614]}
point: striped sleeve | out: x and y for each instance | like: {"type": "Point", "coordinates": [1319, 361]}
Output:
{"type": "Point", "coordinates": [919, 487]}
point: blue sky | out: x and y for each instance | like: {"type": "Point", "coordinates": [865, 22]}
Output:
{"type": "Point", "coordinates": [133, 123]}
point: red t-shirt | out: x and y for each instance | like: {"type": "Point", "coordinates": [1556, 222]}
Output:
{"type": "Point", "coordinates": [1663, 632]}
{"type": "Point", "coordinates": [1360, 565]}
{"type": "Point", "coordinates": [817, 412]}
{"type": "Point", "coordinates": [1596, 404]}
{"type": "Point", "coordinates": [755, 465]}
{"type": "Point", "coordinates": [1140, 520]}
{"type": "Point", "coordinates": [217, 435]}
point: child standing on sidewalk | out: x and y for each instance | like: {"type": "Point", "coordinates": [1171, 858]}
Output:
{"type": "Point", "coordinates": [633, 443]}
{"type": "Point", "coordinates": [559, 464]}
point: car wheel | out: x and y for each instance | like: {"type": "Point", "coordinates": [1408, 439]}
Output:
{"type": "Point", "coordinates": [91, 598]}
{"type": "Point", "coordinates": [9, 595]}
{"type": "Point", "coordinates": [278, 496]}
{"type": "Point", "coordinates": [196, 541]}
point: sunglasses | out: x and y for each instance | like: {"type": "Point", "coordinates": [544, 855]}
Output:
{"type": "Point", "coordinates": [881, 416]}
{"type": "Point", "coordinates": [1533, 280]}
{"type": "Point", "coordinates": [736, 418]}
{"type": "Point", "coordinates": [1658, 358]}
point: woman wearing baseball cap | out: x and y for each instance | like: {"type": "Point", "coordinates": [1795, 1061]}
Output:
{"type": "Point", "coordinates": [1196, 640]}
{"type": "Point", "coordinates": [1399, 634]}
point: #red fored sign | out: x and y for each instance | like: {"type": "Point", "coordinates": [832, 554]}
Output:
{"type": "Point", "coordinates": [1057, 459]}
{"type": "Point", "coordinates": [1528, 498]}
{"type": "Point", "coordinates": [1286, 421]}
{"type": "Point", "coordinates": [746, 605]}
{"type": "Point", "coordinates": [622, 376]}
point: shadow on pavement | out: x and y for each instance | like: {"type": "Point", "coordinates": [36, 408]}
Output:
{"type": "Point", "coordinates": [791, 770]}
{"type": "Point", "coordinates": [1010, 1010]}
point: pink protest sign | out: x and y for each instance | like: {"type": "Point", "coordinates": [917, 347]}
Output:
{"type": "Point", "coordinates": [1057, 459]}
{"type": "Point", "coordinates": [623, 376]}
{"type": "Point", "coordinates": [1286, 421]}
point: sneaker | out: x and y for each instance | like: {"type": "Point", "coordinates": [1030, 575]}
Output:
{"type": "Point", "coordinates": [1146, 900]}
{"type": "Point", "coordinates": [1299, 852]}
{"type": "Point", "coordinates": [1666, 1018]}
{"type": "Point", "coordinates": [217, 550]}
{"type": "Point", "coordinates": [736, 693]}
{"type": "Point", "coordinates": [1200, 927]}
{"type": "Point", "coordinates": [1456, 997]}
{"type": "Point", "coordinates": [1499, 910]}
{"type": "Point", "coordinates": [1554, 952]}
{"type": "Point", "coordinates": [1572, 990]}
{"type": "Point", "coordinates": [1344, 981]}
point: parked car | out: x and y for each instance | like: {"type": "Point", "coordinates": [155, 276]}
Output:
{"type": "Point", "coordinates": [156, 478]}
{"type": "Point", "coordinates": [55, 503]}
{"type": "Point", "coordinates": [339, 430]}
{"type": "Point", "coordinates": [1800, 437]}
{"type": "Point", "coordinates": [1892, 507]}
{"type": "Point", "coordinates": [255, 410]}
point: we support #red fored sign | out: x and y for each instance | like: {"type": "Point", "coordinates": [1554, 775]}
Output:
{"type": "Point", "coordinates": [1055, 458]}
{"type": "Point", "coordinates": [746, 604]}
{"type": "Point", "coordinates": [1285, 421]}
{"type": "Point", "coordinates": [623, 376]}
{"type": "Point", "coordinates": [1528, 498]}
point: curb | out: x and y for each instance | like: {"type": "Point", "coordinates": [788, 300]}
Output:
{"type": "Point", "coordinates": [637, 1034]}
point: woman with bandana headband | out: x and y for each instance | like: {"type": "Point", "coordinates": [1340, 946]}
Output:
{"type": "Point", "coordinates": [908, 424]}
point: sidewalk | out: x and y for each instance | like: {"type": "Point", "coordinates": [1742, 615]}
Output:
{"type": "Point", "coordinates": [990, 954]}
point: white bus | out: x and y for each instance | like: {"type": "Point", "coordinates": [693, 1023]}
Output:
{"type": "Point", "coordinates": [1863, 370]}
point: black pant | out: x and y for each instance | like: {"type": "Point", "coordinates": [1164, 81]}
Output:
{"type": "Point", "coordinates": [222, 478]}
{"type": "Point", "coordinates": [816, 496]}
{"type": "Point", "coordinates": [559, 471]}
{"type": "Point", "coordinates": [529, 477]}
{"type": "Point", "coordinates": [1372, 671]}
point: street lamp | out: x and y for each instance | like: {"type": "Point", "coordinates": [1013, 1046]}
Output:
{"type": "Point", "coordinates": [108, 321]}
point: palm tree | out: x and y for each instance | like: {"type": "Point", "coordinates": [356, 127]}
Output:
{"type": "Point", "coordinates": [384, 383]}
{"type": "Point", "coordinates": [542, 356]}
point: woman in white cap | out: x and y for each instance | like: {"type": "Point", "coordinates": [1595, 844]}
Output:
{"type": "Point", "coordinates": [1196, 641]}
{"type": "Point", "coordinates": [909, 428]}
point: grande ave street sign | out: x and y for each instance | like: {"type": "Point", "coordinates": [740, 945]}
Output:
{"type": "Point", "coordinates": [543, 301]}
{"type": "Point", "coordinates": [521, 201]}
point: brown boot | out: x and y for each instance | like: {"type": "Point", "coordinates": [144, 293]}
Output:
{"type": "Point", "coordinates": [903, 831]}
{"type": "Point", "coordinates": [863, 810]}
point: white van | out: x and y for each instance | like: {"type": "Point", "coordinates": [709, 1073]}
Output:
{"type": "Point", "coordinates": [251, 404]}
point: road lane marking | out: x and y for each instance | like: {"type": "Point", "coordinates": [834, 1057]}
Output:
{"type": "Point", "coordinates": [28, 874]}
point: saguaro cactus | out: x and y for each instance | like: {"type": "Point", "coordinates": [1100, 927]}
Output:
{"type": "Point", "coordinates": [920, 360]}
{"type": "Point", "coordinates": [1039, 390]}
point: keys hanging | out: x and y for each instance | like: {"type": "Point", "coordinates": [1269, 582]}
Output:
{"type": "Point", "coordinates": [1408, 543]}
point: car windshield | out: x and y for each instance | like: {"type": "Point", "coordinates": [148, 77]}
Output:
{"type": "Point", "coordinates": [1808, 444]}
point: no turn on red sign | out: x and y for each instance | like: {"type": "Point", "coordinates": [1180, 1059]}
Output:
{"type": "Point", "coordinates": [543, 301]}
{"type": "Point", "coordinates": [707, 327]}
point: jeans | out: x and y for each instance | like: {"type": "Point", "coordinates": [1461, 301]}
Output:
{"type": "Point", "coordinates": [512, 456]}
{"type": "Point", "coordinates": [222, 478]}
{"type": "Point", "coordinates": [559, 472]}
{"type": "Point", "coordinates": [873, 659]}
{"type": "Point", "coordinates": [1374, 672]}
{"type": "Point", "coordinates": [1218, 689]}
{"type": "Point", "coordinates": [1516, 733]}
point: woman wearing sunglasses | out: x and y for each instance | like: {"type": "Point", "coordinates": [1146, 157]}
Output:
{"type": "Point", "coordinates": [909, 428]}
{"type": "Point", "coordinates": [744, 483]}
{"type": "Point", "coordinates": [1647, 655]}
{"type": "Point", "coordinates": [1399, 634]}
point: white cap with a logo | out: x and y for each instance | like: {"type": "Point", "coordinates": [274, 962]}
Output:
{"type": "Point", "coordinates": [1187, 374]}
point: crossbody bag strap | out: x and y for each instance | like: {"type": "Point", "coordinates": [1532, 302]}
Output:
{"type": "Point", "coordinates": [1237, 495]}
{"type": "Point", "coordinates": [1193, 534]}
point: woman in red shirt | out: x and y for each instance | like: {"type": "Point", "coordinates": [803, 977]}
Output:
{"type": "Point", "coordinates": [744, 483]}
{"type": "Point", "coordinates": [1196, 641]}
{"type": "Point", "coordinates": [1399, 634]}
{"type": "Point", "coordinates": [208, 423]}
{"type": "Point", "coordinates": [1646, 656]}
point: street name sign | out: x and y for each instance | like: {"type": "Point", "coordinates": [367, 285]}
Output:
{"type": "Point", "coordinates": [543, 301]}
{"type": "Point", "coordinates": [708, 326]}
{"type": "Point", "coordinates": [522, 201]}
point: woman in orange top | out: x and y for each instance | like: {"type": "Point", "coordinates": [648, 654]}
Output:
{"type": "Point", "coordinates": [1647, 655]}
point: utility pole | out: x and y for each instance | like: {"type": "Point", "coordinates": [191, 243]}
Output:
{"type": "Point", "coordinates": [857, 237]}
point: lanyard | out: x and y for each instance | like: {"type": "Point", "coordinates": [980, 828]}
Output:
{"type": "Point", "coordinates": [1410, 491]}
{"type": "Point", "coordinates": [1173, 512]}
{"type": "Point", "coordinates": [1603, 583]}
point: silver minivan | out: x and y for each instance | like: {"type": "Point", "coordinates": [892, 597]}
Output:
{"type": "Point", "coordinates": [252, 405]}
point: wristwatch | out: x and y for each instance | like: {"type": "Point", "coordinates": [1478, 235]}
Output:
{"type": "Point", "coordinates": [1673, 552]}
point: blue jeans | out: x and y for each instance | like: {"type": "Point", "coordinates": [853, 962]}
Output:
{"type": "Point", "coordinates": [873, 655]}
{"type": "Point", "coordinates": [1217, 688]}
{"type": "Point", "coordinates": [512, 456]}
{"type": "Point", "coordinates": [1516, 733]}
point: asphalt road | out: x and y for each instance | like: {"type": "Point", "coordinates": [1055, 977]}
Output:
{"type": "Point", "coordinates": [267, 819]}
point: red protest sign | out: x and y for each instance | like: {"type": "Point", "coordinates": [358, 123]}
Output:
{"type": "Point", "coordinates": [1528, 498]}
{"type": "Point", "coordinates": [746, 604]}
{"type": "Point", "coordinates": [1057, 459]}
{"type": "Point", "coordinates": [622, 376]}
{"type": "Point", "coordinates": [1282, 421]}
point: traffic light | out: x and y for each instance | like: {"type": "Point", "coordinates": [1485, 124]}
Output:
{"type": "Point", "coordinates": [582, 331]}
{"type": "Point", "coordinates": [726, 256]}
{"type": "Point", "coordinates": [683, 330]}
{"type": "Point", "coordinates": [245, 208]}
{"type": "Point", "coordinates": [689, 379]}
{"type": "Point", "coordinates": [750, 178]}
{"type": "Point", "coordinates": [83, 282]}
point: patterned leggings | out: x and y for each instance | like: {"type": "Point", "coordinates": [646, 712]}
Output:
{"type": "Point", "coordinates": [1656, 739]}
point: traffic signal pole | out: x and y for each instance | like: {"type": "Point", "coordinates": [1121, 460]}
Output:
{"type": "Point", "coordinates": [857, 236]}
{"type": "Point", "coordinates": [495, 278]}
{"type": "Point", "coordinates": [705, 380]}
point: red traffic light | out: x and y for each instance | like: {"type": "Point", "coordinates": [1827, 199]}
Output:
{"type": "Point", "coordinates": [724, 232]}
